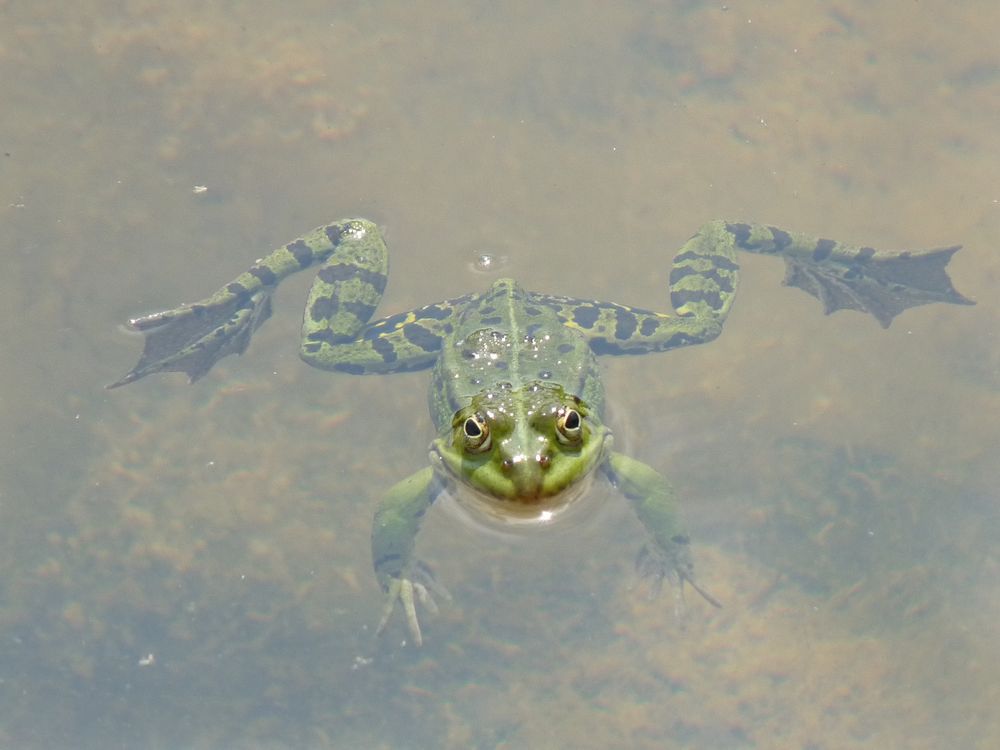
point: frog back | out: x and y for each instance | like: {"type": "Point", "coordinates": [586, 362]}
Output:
{"type": "Point", "coordinates": [503, 340]}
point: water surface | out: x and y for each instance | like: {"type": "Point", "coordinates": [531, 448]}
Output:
{"type": "Point", "coordinates": [189, 566]}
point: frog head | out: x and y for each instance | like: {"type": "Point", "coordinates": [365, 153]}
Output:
{"type": "Point", "coordinates": [523, 446]}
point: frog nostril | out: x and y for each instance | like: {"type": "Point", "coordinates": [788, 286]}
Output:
{"type": "Point", "coordinates": [507, 464]}
{"type": "Point", "coordinates": [544, 460]}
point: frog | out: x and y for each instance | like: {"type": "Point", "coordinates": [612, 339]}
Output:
{"type": "Point", "coordinates": [516, 394]}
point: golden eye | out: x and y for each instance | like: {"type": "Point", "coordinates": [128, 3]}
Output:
{"type": "Point", "coordinates": [476, 433]}
{"type": "Point", "coordinates": [569, 426]}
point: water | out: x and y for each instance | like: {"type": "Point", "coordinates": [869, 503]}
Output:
{"type": "Point", "coordinates": [189, 567]}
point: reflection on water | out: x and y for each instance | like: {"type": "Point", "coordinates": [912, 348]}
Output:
{"type": "Point", "coordinates": [190, 566]}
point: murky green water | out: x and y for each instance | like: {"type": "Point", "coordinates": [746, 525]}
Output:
{"type": "Point", "coordinates": [189, 566]}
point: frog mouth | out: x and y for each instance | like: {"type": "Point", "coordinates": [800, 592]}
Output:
{"type": "Point", "coordinates": [521, 483]}
{"type": "Point", "coordinates": [515, 512]}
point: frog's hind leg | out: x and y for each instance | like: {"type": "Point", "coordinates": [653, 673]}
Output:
{"type": "Point", "coordinates": [191, 338]}
{"type": "Point", "coordinates": [705, 275]}
{"type": "Point", "coordinates": [336, 332]}
{"type": "Point", "coordinates": [345, 342]}
{"type": "Point", "coordinates": [842, 277]}
{"type": "Point", "coordinates": [703, 280]}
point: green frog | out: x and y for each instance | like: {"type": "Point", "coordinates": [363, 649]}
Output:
{"type": "Point", "coordinates": [516, 393]}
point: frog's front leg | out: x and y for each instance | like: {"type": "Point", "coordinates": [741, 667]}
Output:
{"type": "Point", "coordinates": [669, 550]}
{"type": "Point", "coordinates": [394, 532]}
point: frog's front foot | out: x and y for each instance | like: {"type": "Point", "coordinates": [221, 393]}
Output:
{"type": "Point", "coordinates": [654, 564]}
{"type": "Point", "coordinates": [407, 590]}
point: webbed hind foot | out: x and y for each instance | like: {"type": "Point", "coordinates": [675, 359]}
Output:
{"type": "Point", "coordinates": [192, 338]}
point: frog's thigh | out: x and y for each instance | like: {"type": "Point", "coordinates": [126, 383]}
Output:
{"type": "Point", "coordinates": [345, 292]}
{"type": "Point", "coordinates": [705, 274]}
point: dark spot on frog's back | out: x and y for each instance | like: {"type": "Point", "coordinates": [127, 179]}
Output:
{"type": "Point", "coordinates": [419, 336]}
{"type": "Point", "coordinates": [335, 232]}
{"type": "Point", "coordinates": [347, 271]}
{"type": "Point", "coordinates": [722, 280]}
{"type": "Point", "coordinates": [315, 338]}
{"type": "Point", "coordinates": [385, 349]}
{"type": "Point", "coordinates": [531, 331]}
{"type": "Point", "coordinates": [264, 274]}
{"type": "Point", "coordinates": [625, 324]}
{"type": "Point", "coordinates": [649, 326]}
{"type": "Point", "coordinates": [823, 249]}
{"type": "Point", "coordinates": [360, 310]}
{"type": "Point", "coordinates": [782, 239]}
{"type": "Point", "coordinates": [741, 232]}
{"type": "Point", "coordinates": [685, 296]}
{"type": "Point", "coordinates": [301, 252]}
{"type": "Point", "coordinates": [322, 308]}
{"type": "Point", "coordinates": [585, 315]}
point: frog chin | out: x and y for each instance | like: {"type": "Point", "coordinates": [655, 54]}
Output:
{"type": "Point", "coordinates": [528, 495]}
{"type": "Point", "coordinates": [519, 513]}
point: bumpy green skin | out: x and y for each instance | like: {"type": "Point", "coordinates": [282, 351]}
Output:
{"type": "Point", "coordinates": [516, 393]}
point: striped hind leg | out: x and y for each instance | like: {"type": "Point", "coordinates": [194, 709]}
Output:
{"type": "Point", "coordinates": [840, 276]}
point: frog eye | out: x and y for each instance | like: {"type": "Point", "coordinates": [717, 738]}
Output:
{"type": "Point", "coordinates": [476, 432]}
{"type": "Point", "coordinates": [569, 426]}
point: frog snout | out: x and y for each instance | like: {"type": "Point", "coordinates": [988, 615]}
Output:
{"type": "Point", "coordinates": [527, 473]}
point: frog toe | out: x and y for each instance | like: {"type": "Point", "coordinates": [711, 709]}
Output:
{"type": "Point", "coordinates": [420, 586]}
{"type": "Point", "coordinates": [401, 590]}
{"type": "Point", "coordinates": [653, 566]}
{"type": "Point", "coordinates": [432, 587]}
